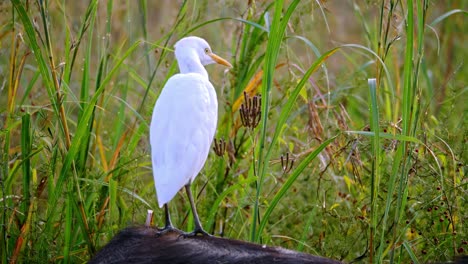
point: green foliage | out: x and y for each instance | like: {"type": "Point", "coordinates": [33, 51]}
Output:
{"type": "Point", "coordinates": [360, 153]}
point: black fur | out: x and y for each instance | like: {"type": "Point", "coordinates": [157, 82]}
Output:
{"type": "Point", "coordinates": [143, 245]}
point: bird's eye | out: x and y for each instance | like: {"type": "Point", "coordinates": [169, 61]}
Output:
{"type": "Point", "coordinates": [207, 50]}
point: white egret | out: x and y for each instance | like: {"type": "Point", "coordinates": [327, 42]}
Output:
{"type": "Point", "coordinates": [183, 124]}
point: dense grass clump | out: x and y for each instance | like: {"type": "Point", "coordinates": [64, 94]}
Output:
{"type": "Point", "coordinates": [356, 152]}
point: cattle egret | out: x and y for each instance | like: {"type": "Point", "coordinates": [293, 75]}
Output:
{"type": "Point", "coordinates": [183, 124]}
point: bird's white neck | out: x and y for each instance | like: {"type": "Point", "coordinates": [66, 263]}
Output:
{"type": "Point", "coordinates": [190, 63]}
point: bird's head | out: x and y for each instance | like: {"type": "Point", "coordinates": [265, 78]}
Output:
{"type": "Point", "coordinates": [197, 49]}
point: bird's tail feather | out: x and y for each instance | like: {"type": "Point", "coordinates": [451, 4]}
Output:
{"type": "Point", "coordinates": [166, 187]}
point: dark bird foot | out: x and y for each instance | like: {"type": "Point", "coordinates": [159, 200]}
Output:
{"type": "Point", "coordinates": [197, 232]}
{"type": "Point", "coordinates": [167, 229]}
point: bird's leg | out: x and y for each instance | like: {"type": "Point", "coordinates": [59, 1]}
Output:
{"type": "Point", "coordinates": [168, 218]}
{"type": "Point", "coordinates": [198, 228]}
{"type": "Point", "coordinates": [168, 225]}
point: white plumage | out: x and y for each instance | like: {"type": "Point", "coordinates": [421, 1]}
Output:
{"type": "Point", "coordinates": [184, 120]}
{"type": "Point", "coordinates": [182, 128]}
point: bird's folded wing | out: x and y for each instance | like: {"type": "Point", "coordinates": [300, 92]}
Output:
{"type": "Point", "coordinates": [181, 132]}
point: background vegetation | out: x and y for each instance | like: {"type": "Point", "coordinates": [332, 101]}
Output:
{"type": "Point", "coordinates": [359, 153]}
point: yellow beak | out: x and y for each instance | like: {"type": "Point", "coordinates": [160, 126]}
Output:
{"type": "Point", "coordinates": [220, 60]}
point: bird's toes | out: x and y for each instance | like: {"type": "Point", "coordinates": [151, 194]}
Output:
{"type": "Point", "coordinates": [166, 230]}
{"type": "Point", "coordinates": [196, 233]}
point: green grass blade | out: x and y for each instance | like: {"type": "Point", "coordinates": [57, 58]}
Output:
{"type": "Point", "coordinates": [121, 189]}
{"type": "Point", "coordinates": [410, 252]}
{"type": "Point", "coordinates": [384, 67]}
{"type": "Point", "coordinates": [407, 104]}
{"type": "Point", "coordinates": [4, 172]}
{"type": "Point", "coordinates": [375, 174]}
{"type": "Point", "coordinates": [81, 131]}
{"type": "Point", "coordinates": [285, 112]}
{"type": "Point", "coordinates": [408, 91]}
{"type": "Point", "coordinates": [446, 15]}
{"type": "Point", "coordinates": [89, 14]}
{"type": "Point", "coordinates": [216, 205]}
{"type": "Point", "coordinates": [68, 224]}
{"type": "Point", "coordinates": [307, 229]}
{"type": "Point", "coordinates": [192, 29]}
{"type": "Point", "coordinates": [26, 146]}
{"type": "Point", "coordinates": [85, 89]}
{"type": "Point", "coordinates": [289, 182]}
{"type": "Point", "coordinates": [113, 208]}
{"type": "Point", "coordinates": [275, 38]}
{"type": "Point", "coordinates": [143, 8]}
{"type": "Point", "coordinates": [29, 87]}
{"type": "Point", "coordinates": [398, 137]}
{"type": "Point", "coordinates": [82, 224]}
{"type": "Point", "coordinates": [31, 36]}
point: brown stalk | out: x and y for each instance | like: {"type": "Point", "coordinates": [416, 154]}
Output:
{"type": "Point", "coordinates": [11, 86]}
{"type": "Point", "coordinates": [22, 237]}
{"type": "Point", "coordinates": [219, 146]}
{"type": "Point", "coordinates": [17, 79]}
{"type": "Point", "coordinates": [112, 164]}
{"type": "Point", "coordinates": [250, 111]}
{"type": "Point", "coordinates": [286, 163]}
